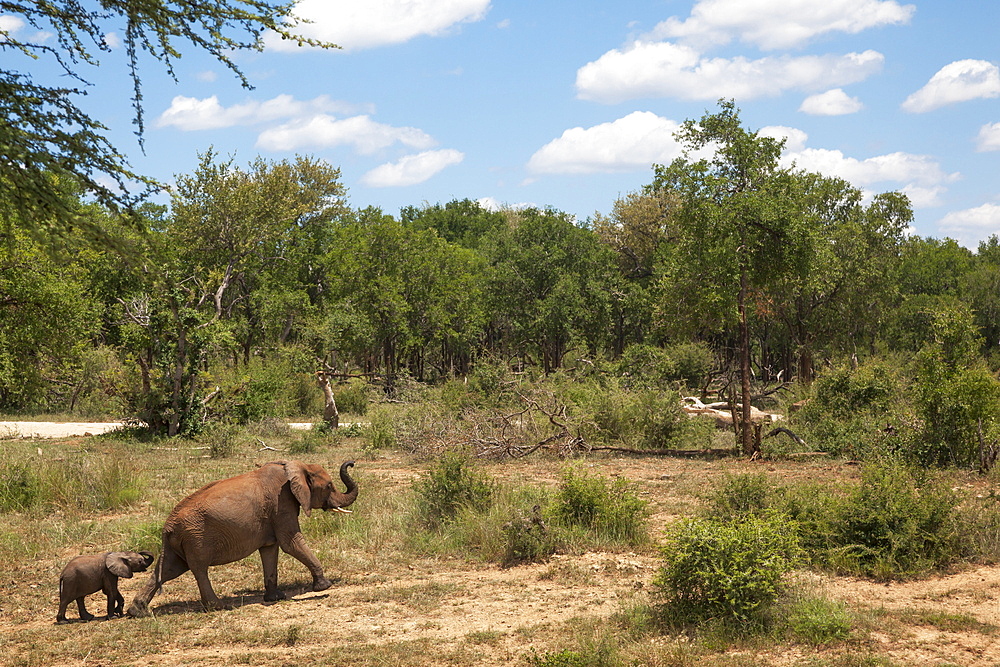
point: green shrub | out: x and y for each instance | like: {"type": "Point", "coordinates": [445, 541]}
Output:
{"type": "Point", "coordinates": [381, 431]}
{"type": "Point", "coordinates": [353, 397]}
{"type": "Point", "coordinates": [527, 539]}
{"type": "Point", "coordinates": [682, 365]}
{"type": "Point", "coordinates": [845, 391]}
{"type": "Point", "coordinates": [740, 496]}
{"type": "Point", "coordinates": [258, 394]}
{"type": "Point", "coordinates": [899, 522]}
{"type": "Point", "coordinates": [613, 512]}
{"type": "Point", "coordinates": [563, 658]}
{"type": "Point", "coordinates": [727, 571]}
{"type": "Point", "coordinates": [639, 419]}
{"type": "Point", "coordinates": [452, 484]}
{"type": "Point", "coordinates": [20, 488]}
{"type": "Point", "coordinates": [223, 440]}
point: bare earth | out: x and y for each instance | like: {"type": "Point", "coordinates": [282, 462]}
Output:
{"type": "Point", "coordinates": [478, 614]}
{"type": "Point", "coordinates": [11, 430]}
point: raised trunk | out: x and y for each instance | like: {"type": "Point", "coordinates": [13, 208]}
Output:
{"type": "Point", "coordinates": [345, 499]}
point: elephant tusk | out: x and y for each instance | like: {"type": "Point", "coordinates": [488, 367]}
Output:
{"type": "Point", "coordinates": [341, 509]}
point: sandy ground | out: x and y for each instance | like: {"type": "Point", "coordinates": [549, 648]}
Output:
{"type": "Point", "coordinates": [29, 430]}
{"type": "Point", "coordinates": [480, 614]}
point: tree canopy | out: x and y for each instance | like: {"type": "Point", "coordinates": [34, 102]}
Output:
{"type": "Point", "coordinates": [49, 146]}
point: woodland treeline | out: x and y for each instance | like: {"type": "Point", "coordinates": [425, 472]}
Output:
{"type": "Point", "coordinates": [255, 274]}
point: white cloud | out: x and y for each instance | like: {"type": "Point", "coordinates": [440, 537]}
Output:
{"type": "Point", "coordinates": [973, 224]}
{"type": "Point", "coordinates": [412, 169]}
{"type": "Point", "coordinates": [323, 131]}
{"type": "Point", "coordinates": [831, 103]}
{"type": "Point", "coordinates": [191, 113]}
{"type": "Point", "coordinates": [959, 81]}
{"type": "Point", "coordinates": [795, 139]}
{"type": "Point", "coordinates": [665, 69]}
{"type": "Point", "coordinates": [630, 143]}
{"type": "Point", "coordinates": [112, 40]}
{"type": "Point", "coordinates": [495, 205]}
{"type": "Point", "coordinates": [920, 177]}
{"type": "Point", "coordinates": [363, 24]}
{"type": "Point", "coordinates": [10, 23]}
{"type": "Point", "coordinates": [917, 175]}
{"type": "Point", "coordinates": [779, 25]}
{"type": "Point", "coordinates": [988, 138]}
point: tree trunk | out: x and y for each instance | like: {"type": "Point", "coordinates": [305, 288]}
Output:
{"type": "Point", "coordinates": [330, 414]}
{"type": "Point", "coordinates": [745, 428]}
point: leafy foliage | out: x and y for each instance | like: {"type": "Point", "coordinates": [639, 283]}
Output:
{"type": "Point", "coordinates": [451, 485]}
{"type": "Point", "coordinates": [726, 570]}
{"type": "Point", "coordinates": [611, 511]}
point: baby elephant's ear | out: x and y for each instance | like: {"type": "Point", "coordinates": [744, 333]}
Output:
{"type": "Point", "coordinates": [117, 564]}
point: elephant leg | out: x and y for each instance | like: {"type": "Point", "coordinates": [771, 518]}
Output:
{"type": "Point", "coordinates": [295, 545]}
{"type": "Point", "coordinates": [82, 607]}
{"type": "Point", "coordinates": [61, 615]}
{"type": "Point", "coordinates": [170, 566]}
{"type": "Point", "coordinates": [116, 603]}
{"type": "Point", "coordinates": [269, 561]}
{"type": "Point", "coordinates": [209, 599]}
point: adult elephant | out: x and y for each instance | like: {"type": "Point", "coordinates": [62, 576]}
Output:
{"type": "Point", "coordinates": [228, 520]}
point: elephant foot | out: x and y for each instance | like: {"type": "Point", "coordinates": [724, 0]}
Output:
{"type": "Point", "coordinates": [274, 596]}
{"type": "Point", "coordinates": [62, 621]}
{"type": "Point", "coordinates": [88, 617]}
{"type": "Point", "coordinates": [321, 584]}
{"type": "Point", "coordinates": [138, 610]}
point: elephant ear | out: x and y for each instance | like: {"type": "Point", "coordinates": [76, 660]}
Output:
{"type": "Point", "coordinates": [300, 485]}
{"type": "Point", "coordinates": [117, 564]}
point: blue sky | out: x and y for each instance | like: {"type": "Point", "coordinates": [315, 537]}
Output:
{"type": "Point", "coordinates": [568, 104]}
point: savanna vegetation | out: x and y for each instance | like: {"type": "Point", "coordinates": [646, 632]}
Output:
{"type": "Point", "coordinates": [473, 343]}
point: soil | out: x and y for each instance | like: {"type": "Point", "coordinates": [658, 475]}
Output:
{"type": "Point", "coordinates": [465, 613]}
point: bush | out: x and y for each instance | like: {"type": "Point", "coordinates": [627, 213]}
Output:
{"type": "Point", "coordinates": [223, 440]}
{"type": "Point", "coordinates": [899, 522]}
{"type": "Point", "coordinates": [19, 487]}
{"type": "Point", "coordinates": [740, 496]}
{"type": "Point", "coordinates": [614, 512]}
{"type": "Point", "coordinates": [453, 484]}
{"type": "Point", "coordinates": [682, 365]}
{"type": "Point", "coordinates": [527, 539]}
{"type": "Point", "coordinates": [726, 571]}
{"type": "Point", "coordinates": [639, 419]}
{"type": "Point", "coordinates": [353, 397]}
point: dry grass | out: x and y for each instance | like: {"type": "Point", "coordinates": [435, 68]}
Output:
{"type": "Point", "coordinates": [394, 604]}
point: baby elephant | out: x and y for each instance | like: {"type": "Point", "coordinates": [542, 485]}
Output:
{"type": "Point", "coordinates": [98, 572]}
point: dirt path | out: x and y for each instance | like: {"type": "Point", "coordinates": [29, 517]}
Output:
{"type": "Point", "coordinates": [31, 430]}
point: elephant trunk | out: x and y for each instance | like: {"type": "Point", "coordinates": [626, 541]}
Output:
{"type": "Point", "coordinates": [340, 500]}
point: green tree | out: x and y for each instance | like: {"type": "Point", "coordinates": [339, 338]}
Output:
{"type": "Point", "coordinates": [47, 321]}
{"type": "Point", "coordinates": [254, 240]}
{"type": "Point", "coordinates": [637, 229]}
{"type": "Point", "coordinates": [844, 280]}
{"type": "Point", "coordinates": [400, 295]}
{"type": "Point", "coordinates": [737, 228]}
{"type": "Point", "coordinates": [547, 287]}
{"type": "Point", "coordinates": [48, 142]}
{"type": "Point", "coordinates": [463, 222]}
{"type": "Point", "coordinates": [958, 397]}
